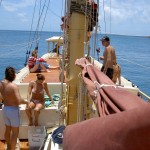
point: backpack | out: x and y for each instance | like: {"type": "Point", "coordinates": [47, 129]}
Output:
{"type": "Point", "coordinates": [57, 135]}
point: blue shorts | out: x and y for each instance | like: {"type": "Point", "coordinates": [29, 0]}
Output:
{"type": "Point", "coordinates": [45, 65]}
{"type": "Point", "coordinates": [11, 115]}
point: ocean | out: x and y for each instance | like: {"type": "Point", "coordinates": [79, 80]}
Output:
{"type": "Point", "coordinates": [133, 53]}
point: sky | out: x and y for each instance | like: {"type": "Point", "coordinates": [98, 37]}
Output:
{"type": "Point", "coordinates": [122, 17]}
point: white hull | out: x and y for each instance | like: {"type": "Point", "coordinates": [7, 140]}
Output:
{"type": "Point", "coordinates": [48, 117]}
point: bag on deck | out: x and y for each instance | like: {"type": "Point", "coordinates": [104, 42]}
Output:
{"type": "Point", "coordinates": [57, 135]}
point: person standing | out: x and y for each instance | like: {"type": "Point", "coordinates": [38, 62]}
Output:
{"type": "Point", "coordinates": [36, 97]}
{"type": "Point", "coordinates": [109, 57]}
{"type": "Point", "coordinates": [11, 99]}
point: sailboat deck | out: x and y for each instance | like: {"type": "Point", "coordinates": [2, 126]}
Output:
{"type": "Point", "coordinates": [50, 77]}
{"type": "Point", "coordinates": [23, 145]}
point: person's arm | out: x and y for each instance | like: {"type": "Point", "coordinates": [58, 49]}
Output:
{"type": "Point", "coordinates": [29, 91]}
{"type": "Point", "coordinates": [18, 96]}
{"type": "Point", "coordinates": [1, 98]}
{"type": "Point", "coordinates": [101, 57]}
{"type": "Point", "coordinates": [47, 92]}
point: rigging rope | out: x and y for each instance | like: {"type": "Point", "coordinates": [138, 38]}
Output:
{"type": "Point", "coordinates": [36, 33]}
{"type": "Point", "coordinates": [63, 53]}
{"type": "Point", "coordinates": [85, 34]}
{"type": "Point", "coordinates": [110, 16]}
{"type": "Point", "coordinates": [96, 27]}
{"type": "Point", "coordinates": [0, 2]}
{"type": "Point", "coordinates": [29, 46]}
{"type": "Point", "coordinates": [104, 15]}
{"type": "Point", "coordinates": [45, 16]}
{"type": "Point", "coordinates": [135, 63]}
{"type": "Point", "coordinates": [81, 111]}
{"type": "Point", "coordinates": [39, 19]}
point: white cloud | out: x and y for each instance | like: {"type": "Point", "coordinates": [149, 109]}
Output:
{"type": "Point", "coordinates": [9, 8]}
{"type": "Point", "coordinates": [127, 10]}
{"type": "Point", "coordinates": [127, 17]}
{"type": "Point", "coordinates": [10, 5]}
{"type": "Point", "coordinates": [22, 17]}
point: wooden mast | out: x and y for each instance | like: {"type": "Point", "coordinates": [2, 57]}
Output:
{"type": "Point", "coordinates": [76, 39]}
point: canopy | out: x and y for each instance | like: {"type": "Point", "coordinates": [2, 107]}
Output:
{"type": "Point", "coordinates": [55, 39]}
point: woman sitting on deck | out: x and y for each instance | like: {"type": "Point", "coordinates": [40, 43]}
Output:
{"type": "Point", "coordinates": [36, 97]}
{"type": "Point", "coordinates": [35, 66]}
{"type": "Point", "coordinates": [38, 64]}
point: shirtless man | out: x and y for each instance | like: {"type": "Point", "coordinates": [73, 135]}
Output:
{"type": "Point", "coordinates": [109, 57]}
{"type": "Point", "coordinates": [11, 99]}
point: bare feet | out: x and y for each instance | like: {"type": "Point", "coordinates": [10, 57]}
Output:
{"type": "Point", "coordinates": [7, 147]}
{"type": "Point", "coordinates": [48, 70]}
{"type": "Point", "coordinates": [36, 123]}
{"type": "Point", "coordinates": [30, 122]}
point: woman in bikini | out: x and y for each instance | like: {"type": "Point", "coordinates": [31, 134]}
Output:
{"type": "Point", "coordinates": [36, 97]}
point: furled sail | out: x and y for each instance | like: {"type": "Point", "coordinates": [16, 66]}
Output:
{"type": "Point", "coordinates": [108, 97]}
{"type": "Point", "coordinates": [123, 122]}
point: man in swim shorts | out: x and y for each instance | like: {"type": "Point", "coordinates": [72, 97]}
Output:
{"type": "Point", "coordinates": [11, 99]}
{"type": "Point", "coordinates": [109, 57]}
{"type": "Point", "coordinates": [11, 116]}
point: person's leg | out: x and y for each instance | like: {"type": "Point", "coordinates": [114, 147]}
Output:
{"type": "Point", "coordinates": [44, 68]}
{"type": "Point", "coordinates": [35, 68]}
{"type": "Point", "coordinates": [47, 66]}
{"type": "Point", "coordinates": [15, 132]}
{"type": "Point", "coordinates": [11, 116]}
{"type": "Point", "coordinates": [54, 67]}
{"type": "Point", "coordinates": [102, 69]}
{"type": "Point", "coordinates": [29, 113]}
{"type": "Point", "coordinates": [119, 74]}
{"type": "Point", "coordinates": [7, 136]}
{"type": "Point", "coordinates": [109, 73]}
{"type": "Point", "coordinates": [37, 109]}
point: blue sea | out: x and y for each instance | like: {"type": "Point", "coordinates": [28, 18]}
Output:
{"type": "Point", "coordinates": [133, 53]}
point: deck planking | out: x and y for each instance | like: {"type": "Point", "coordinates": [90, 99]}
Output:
{"type": "Point", "coordinates": [50, 77]}
{"type": "Point", "coordinates": [23, 145]}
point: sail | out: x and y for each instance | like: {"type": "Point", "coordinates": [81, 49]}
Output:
{"type": "Point", "coordinates": [123, 122]}
{"type": "Point", "coordinates": [107, 96]}
{"type": "Point", "coordinates": [128, 130]}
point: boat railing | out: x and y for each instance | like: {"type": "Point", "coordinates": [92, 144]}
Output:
{"type": "Point", "coordinates": [144, 96]}
{"type": "Point", "coordinates": [21, 74]}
